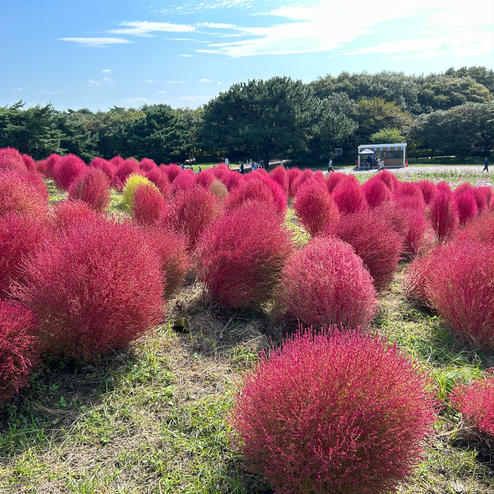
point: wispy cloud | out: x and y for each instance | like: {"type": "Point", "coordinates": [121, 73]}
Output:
{"type": "Point", "coordinates": [18, 89]}
{"type": "Point", "coordinates": [185, 55]}
{"type": "Point", "coordinates": [106, 71]}
{"type": "Point", "coordinates": [151, 81]}
{"type": "Point", "coordinates": [193, 7]}
{"type": "Point", "coordinates": [161, 91]}
{"type": "Point", "coordinates": [148, 28]}
{"type": "Point", "coordinates": [133, 101]}
{"type": "Point", "coordinates": [96, 42]}
{"type": "Point", "coordinates": [206, 80]}
{"type": "Point", "coordinates": [103, 80]}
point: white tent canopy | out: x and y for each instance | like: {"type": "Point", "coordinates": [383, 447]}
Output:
{"type": "Point", "coordinates": [393, 154]}
{"type": "Point", "coordinates": [366, 151]}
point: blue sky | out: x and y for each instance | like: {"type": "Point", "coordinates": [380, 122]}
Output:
{"type": "Point", "coordinates": [98, 54]}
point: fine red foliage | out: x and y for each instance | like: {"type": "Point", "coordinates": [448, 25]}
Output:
{"type": "Point", "coordinates": [241, 255]}
{"type": "Point", "coordinates": [293, 176]}
{"type": "Point", "coordinates": [393, 215]}
{"type": "Point", "coordinates": [428, 190]}
{"type": "Point", "coordinates": [11, 160]}
{"type": "Point", "coordinates": [444, 187]}
{"type": "Point", "coordinates": [233, 181]}
{"type": "Point", "coordinates": [185, 180]}
{"type": "Point", "coordinates": [375, 241]}
{"type": "Point", "coordinates": [416, 278]}
{"type": "Point", "coordinates": [148, 205]}
{"type": "Point", "coordinates": [466, 205]}
{"type": "Point", "coordinates": [51, 163]}
{"type": "Point", "coordinates": [206, 178]}
{"type": "Point", "coordinates": [191, 211]}
{"type": "Point", "coordinates": [107, 167]}
{"type": "Point", "coordinates": [280, 175]}
{"type": "Point", "coordinates": [94, 289]}
{"type": "Point", "coordinates": [419, 236]}
{"type": "Point", "coordinates": [221, 171]}
{"type": "Point", "coordinates": [68, 213]}
{"type": "Point", "coordinates": [20, 235]}
{"type": "Point", "coordinates": [170, 248]}
{"type": "Point", "coordinates": [35, 179]}
{"type": "Point", "coordinates": [333, 412]}
{"type": "Point", "coordinates": [476, 403]}
{"type": "Point", "coordinates": [480, 229]}
{"type": "Point", "coordinates": [19, 347]}
{"type": "Point", "coordinates": [326, 283]}
{"type": "Point", "coordinates": [123, 172]}
{"type": "Point", "coordinates": [301, 179]}
{"type": "Point", "coordinates": [67, 170]}
{"type": "Point", "coordinates": [147, 165]}
{"type": "Point", "coordinates": [483, 198]}
{"type": "Point", "coordinates": [389, 179]}
{"type": "Point", "coordinates": [315, 208]}
{"type": "Point", "coordinates": [460, 289]}
{"type": "Point", "coordinates": [333, 179]}
{"type": "Point", "coordinates": [29, 162]}
{"type": "Point", "coordinates": [349, 197]}
{"type": "Point", "coordinates": [161, 181]}
{"type": "Point", "coordinates": [41, 167]}
{"type": "Point", "coordinates": [252, 190]}
{"type": "Point", "coordinates": [279, 197]}
{"type": "Point", "coordinates": [93, 188]}
{"type": "Point", "coordinates": [443, 216]}
{"type": "Point", "coordinates": [171, 171]}
{"type": "Point", "coordinates": [376, 192]}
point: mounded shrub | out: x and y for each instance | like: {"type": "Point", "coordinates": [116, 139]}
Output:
{"type": "Point", "coordinates": [221, 171]}
{"type": "Point", "coordinates": [11, 160]}
{"type": "Point", "coordinates": [315, 208]}
{"type": "Point", "coordinates": [444, 187]}
{"type": "Point", "coordinates": [301, 179]}
{"type": "Point", "coordinates": [416, 278]}
{"type": "Point", "coordinates": [375, 242]}
{"type": "Point", "coordinates": [19, 348]}
{"type": "Point", "coordinates": [206, 177]}
{"type": "Point", "coordinates": [279, 197]}
{"type": "Point", "coordinates": [29, 162]}
{"type": "Point", "coordinates": [293, 176]}
{"type": "Point", "coordinates": [333, 412]}
{"type": "Point", "coordinates": [147, 165]}
{"type": "Point", "coordinates": [67, 170]}
{"type": "Point", "coordinates": [280, 176]}
{"type": "Point", "coordinates": [428, 190]}
{"type": "Point", "coordinates": [240, 256]}
{"type": "Point", "coordinates": [131, 184]}
{"type": "Point", "coordinates": [41, 167]}
{"type": "Point", "coordinates": [123, 171]}
{"type": "Point", "coordinates": [349, 197]}
{"type": "Point", "coordinates": [20, 235]}
{"type": "Point", "coordinates": [326, 283]}
{"type": "Point", "coordinates": [191, 211]}
{"type": "Point", "coordinates": [252, 190]}
{"type": "Point", "coordinates": [96, 288]}
{"type": "Point", "coordinates": [233, 181]}
{"type": "Point", "coordinates": [419, 236]}
{"type": "Point", "coordinates": [185, 180]}
{"type": "Point", "coordinates": [443, 216]}
{"type": "Point", "coordinates": [161, 181]}
{"type": "Point", "coordinates": [461, 289]}
{"type": "Point", "coordinates": [333, 179]}
{"type": "Point", "coordinates": [148, 206]}
{"type": "Point", "coordinates": [483, 198]}
{"type": "Point", "coordinates": [171, 171]}
{"type": "Point", "coordinates": [475, 401]}
{"type": "Point", "coordinates": [34, 179]}
{"type": "Point", "coordinates": [51, 163]}
{"type": "Point", "coordinates": [466, 205]}
{"type": "Point", "coordinates": [392, 214]}
{"type": "Point", "coordinates": [389, 179]}
{"type": "Point", "coordinates": [376, 192]}
{"type": "Point", "coordinates": [409, 190]}
{"type": "Point", "coordinates": [93, 188]}
{"type": "Point", "coordinates": [480, 228]}
{"type": "Point", "coordinates": [219, 189]}
{"type": "Point", "coordinates": [68, 213]}
{"type": "Point", "coordinates": [107, 167]}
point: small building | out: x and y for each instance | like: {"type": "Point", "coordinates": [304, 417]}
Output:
{"type": "Point", "coordinates": [393, 155]}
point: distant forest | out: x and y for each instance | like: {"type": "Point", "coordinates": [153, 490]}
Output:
{"type": "Point", "coordinates": [447, 114]}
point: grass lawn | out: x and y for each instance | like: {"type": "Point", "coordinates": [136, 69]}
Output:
{"type": "Point", "coordinates": [154, 418]}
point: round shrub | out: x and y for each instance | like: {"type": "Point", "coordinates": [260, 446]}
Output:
{"type": "Point", "coordinates": [51, 163]}
{"type": "Point", "coordinates": [219, 189]}
{"type": "Point", "coordinates": [375, 241]}
{"type": "Point", "coordinates": [131, 184]}
{"type": "Point", "coordinates": [293, 176]}
{"type": "Point", "coordinates": [171, 171]}
{"type": "Point", "coordinates": [389, 179]}
{"type": "Point", "coordinates": [280, 175]}
{"type": "Point", "coordinates": [333, 412]}
{"type": "Point", "coordinates": [40, 167]}
{"type": "Point", "coordinates": [68, 213]}
{"type": "Point", "coordinates": [333, 179]}
{"type": "Point", "coordinates": [409, 191]}
{"type": "Point", "coordinates": [185, 180]}
{"type": "Point", "coordinates": [326, 283]}
{"type": "Point", "coordinates": [20, 235]}
{"type": "Point", "coordinates": [93, 188]}
{"type": "Point", "coordinates": [444, 187]}
{"type": "Point", "coordinates": [29, 162]}
{"type": "Point", "coordinates": [221, 171]}
{"type": "Point", "coordinates": [428, 190]}
{"type": "Point", "coordinates": [418, 236]}
{"type": "Point", "coordinates": [123, 171]}
{"type": "Point", "coordinates": [416, 278]}
{"type": "Point", "coordinates": [147, 164]}
{"type": "Point", "coordinates": [107, 167]}
{"type": "Point", "coordinates": [206, 178]}
{"type": "Point", "coordinates": [19, 347]}
{"type": "Point", "coordinates": [443, 216]}
{"type": "Point", "coordinates": [94, 289]}
{"type": "Point", "coordinates": [148, 206]}
{"type": "Point", "coordinates": [11, 160]}
{"type": "Point", "coordinates": [67, 170]}
{"type": "Point", "coordinates": [240, 256]}
{"type": "Point", "coordinates": [161, 181]}
{"type": "Point", "coordinates": [252, 190]}
{"type": "Point", "coordinates": [34, 179]}
{"type": "Point", "coordinates": [376, 192]}
{"type": "Point", "coordinates": [476, 404]}
{"type": "Point", "coordinates": [461, 289]}
{"type": "Point", "coordinates": [393, 215]}
{"type": "Point", "coordinates": [302, 178]}
{"type": "Point", "coordinates": [233, 180]}
{"type": "Point", "coordinates": [315, 208]}
{"type": "Point", "coordinates": [466, 205]}
{"type": "Point", "coordinates": [191, 211]}
{"type": "Point", "coordinates": [483, 198]}
{"type": "Point", "coordinates": [480, 228]}
{"type": "Point", "coordinates": [349, 197]}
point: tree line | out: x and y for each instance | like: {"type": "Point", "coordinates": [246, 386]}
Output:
{"type": "Point", "coordinates": [447, 114]}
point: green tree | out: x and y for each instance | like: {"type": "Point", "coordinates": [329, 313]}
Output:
{"type": "Point", "coordinates": [388, 135]}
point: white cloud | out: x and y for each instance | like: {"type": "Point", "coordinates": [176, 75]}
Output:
{"type": "Point", "coordinates": [216, 25]}
{"type": "Point", "coordinates": [96, 42]}
{"type": "Point", "coordinates": [147, 28]}
{"type": "Point", "coordinates": [133, 101]}
{"type": "Point", "coordinates": [185, 55]}
{"type": "Point", "coordinates": [106, 71]}
{"type": "Point", "coordinates": [104, 80]}
{"type": "Point", "coordinates": [206, 80]}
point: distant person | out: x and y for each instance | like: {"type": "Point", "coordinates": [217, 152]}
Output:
{"type": "Point", "coordinates": [241, 168]}
{"type": "Point", "coordinates": [381, 165]}
{"type": "Point", "coordinates": [199, 169]}
{"type": "Point", "coordinates": [330, 166]}
{"type": "Point", "coordinates": [227, 162]}
{"type": "Point", "coordinates": [486, 166]}
{"type": "Point", "coordinates": [182, 166]}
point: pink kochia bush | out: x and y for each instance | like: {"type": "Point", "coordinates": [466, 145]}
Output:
{"type": "Point", "coordinates": [349, 197]}
{"type": "Point", "coordinates": [460, 287]}
{"type": "Point", "coordinates": [333, 412]}
{"type": "Point", "coordinates": [480, 228]}
{"type": "Point", "coordinates": [466, 206]}
{"type": "Point", "coordinates": [148, 206]}
{"type": "Point", "coordinates": [376, 192]}
{"type": "Point", "coordinates": [280, 175]}
{"type": "Point", "coordinates": [93, 188]}
{"type": "Point", "coordinates": [19, 347]}
{"type": "Point", "coordinates": [11, 160]}
{"type": "Point", "coordinates": [315, 208]}
{"type": "Point", "coordinates": [97, 287]}
{"type": "Point", "coordinates": [375, 241]}
{"type": "Point", "coordinates": [68, 213]}
{"type": "Point", "coordinates": [443, 216]}
{"type": "Point", "coordinates": [240, 256]}
{"type": "Point", "coordinates": [476, 404]}
{"type": "Point", "coordinates": [326, 283]}
{"type": "Point", "coordinates": [123, 172]}
{"type": "Point", "coordinates": [67, 170]}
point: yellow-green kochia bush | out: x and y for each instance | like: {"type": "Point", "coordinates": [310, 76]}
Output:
{"type": "Point", "coordinates": [130, 187]}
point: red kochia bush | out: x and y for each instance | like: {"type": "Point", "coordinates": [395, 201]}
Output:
{"type": "Point", "coordinates": [443, 216]}
{"type": "Point", "coordinates": [29, 162]}
{"type": "Point", "coordinates": [293, 176]}
{"type": "Point", "coordinates": [240, 256]}
{"type": "Point", "coordinates": [123, 172]}
{"type": "Point", "coordinates": [483, 198]}
{"type": "Point", "coordinates": [419, 234]}
{"type": "Point", "coordinates": [11, 160]}
{"type": "Point", "coordinates": [19, 347]}
{"type": "Point", "coordinates": [349, 197]}
{"type": "Point", "coordinates": [93, 188]}
{"type": "Point", "coordinates": [315, 208]}
{"type": "Point", "coordinates": [428, 190]}
{"type": "Point", "coordinates": [20, 235]}
{"type": "Point", "coordinates": [67, 170]}
{"type": "Point", "coordinates": [376, 192]}
{"type": "Point", "coordinates": [191, 212]}
{"type": "Point", "coordinates": [96, 288]}
{"type": "Point", "coordinates": [147, 164]}
{"type": "Point", "coordinates": [333, 412]}
{"type": "Point", "coordinates": [171, 171]}
{"type": "Point", "coordinates": [250, 190]}
{"type": "Point", "coordinates": [466, 206]}
{"type": "Point", "coordinates": [68, 213]}
{"type": "Point", "coordinates": [375, 241]}
{"type": "Point", "coordinates": [333, 179]}
{"type": "Point", "coordinates": [326, 283]}
{"type": "Point", "coordinates": [476, 404]}
{"type": "Point", "coordinates": [51, 163]}
{"type": "Point", "coordinates": [161, 181]}
{"type": "Point", "coordinates": [233, 180]}
{"type": "Point", "coordinates": [148, 205]}
{"type": "Point", "coordinates": [461, 289]}
{"type": "Point", "coordinates": [185, 180]}
{"type": "Point", "coordinates": [107, 167]}
{"type": "Point", "coordinates": [280, 175]}
{"type": "Point", "coordinates": [389, 179]}
{"type": "Point", "coordinates": [480, 229]}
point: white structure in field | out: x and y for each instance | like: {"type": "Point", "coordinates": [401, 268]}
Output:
{"type": "Point", "coordinates": [393, 155]}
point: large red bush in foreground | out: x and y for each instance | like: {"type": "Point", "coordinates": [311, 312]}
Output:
{"type": "Point", "coordinates": [148, 206]}
{"type": "Point", "coordinates": [96, 288]}
{"type": "Point", "coordinates": [443, 216]}
{"type": "Point", "coordinates": [68, 213]}
{"type": "Point", "coordinates": [326, 283]}
{"type": "Point", "coordinates": [349, 197]}
{"type": "Point", "coordinates": [376, 192]}
{"type": "Point", "coordinates": [476, 404]}
{"type": "Point", "coordinates": [93, 188]}
{"type": "Point", "coordinates": [480, 228]}
{"type": "Point", "coordinates": [11, 160]}
{"type": "Point", "coordinates": [19, 347]}
{"type": "Point", "coordinates": [241, 255]}
{"type": "Point", "coordinates": [333, 412]}
{"type": "Point", "coordinates": [67, 170]}
{"type": "Point", "coordinates": [461, 288]}
{"type": "Point", "coordinates": [466, 205]}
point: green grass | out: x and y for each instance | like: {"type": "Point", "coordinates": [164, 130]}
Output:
{"type": "Point", "coordinates": [154, 418]}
